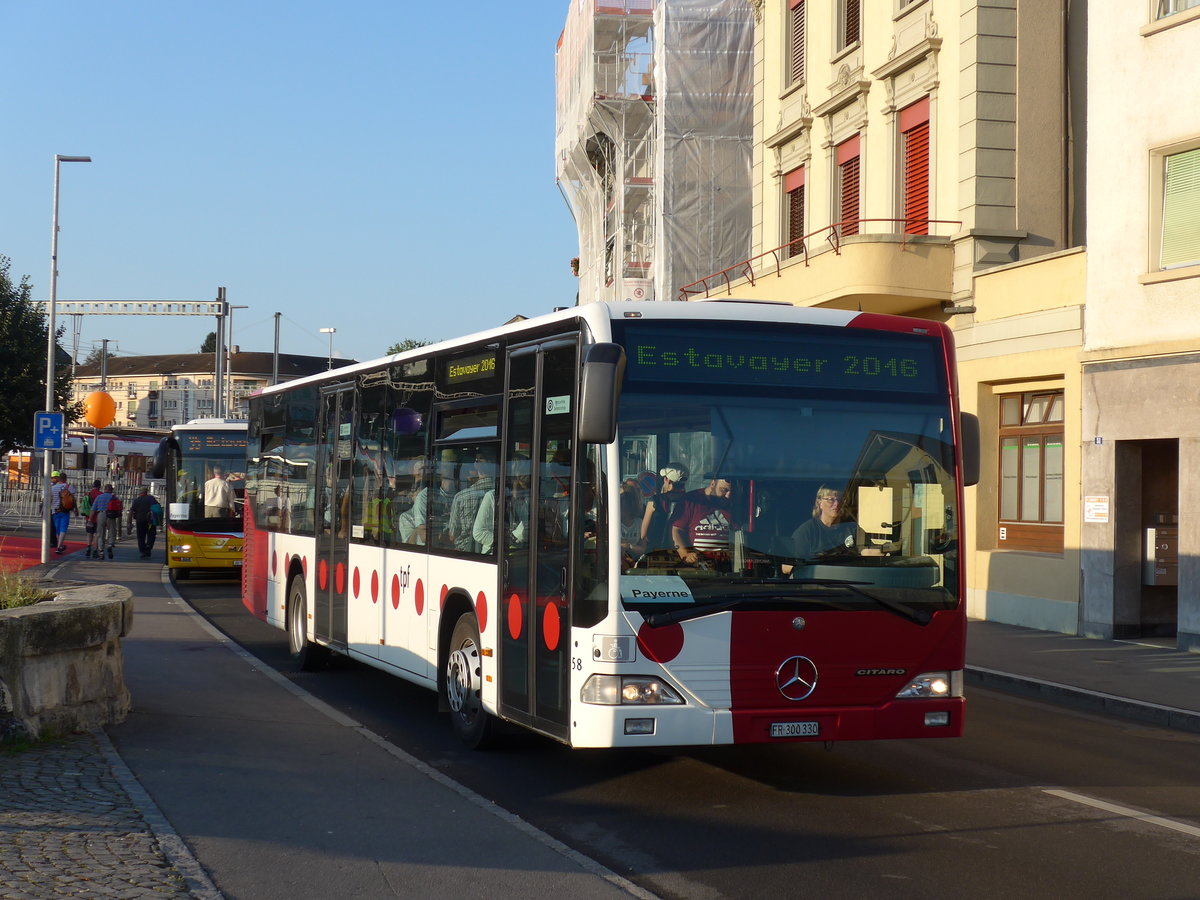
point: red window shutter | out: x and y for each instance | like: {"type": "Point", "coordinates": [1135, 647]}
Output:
{"type": "Point", "coordinates": [795, 220]}
{"type": "Point", "coordinates": [796, 43]}
{"type": "Point", "coordinates": [916, 179]}
{"type": "Point", "coordinates": [848, 177]}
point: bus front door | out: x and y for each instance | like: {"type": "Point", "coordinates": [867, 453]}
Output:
{"type": "Point", "coordinates": [336, 468]}
{"type": "Point", "coordinates": [538, 516]}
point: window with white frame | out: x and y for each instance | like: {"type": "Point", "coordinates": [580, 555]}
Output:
{"type": "Point", "coordinates": [795, 47]}
{"type": "Point", "coordinates": [1179, 242]}
{"type": "Point", "coordinates": [1164, 8]}
{"type": "Point", "coordinates": [849, 23]}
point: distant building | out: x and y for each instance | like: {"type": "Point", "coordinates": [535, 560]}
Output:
{"type": "Point", "coordinates": [161, 391]}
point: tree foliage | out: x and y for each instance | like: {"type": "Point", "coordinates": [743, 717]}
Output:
{"type": "Point", "coordinates": [406, 344]}
{"type": "Point", "coordinates": [23, 364]}
{"type": "Point", "coordinates": [210, 343]}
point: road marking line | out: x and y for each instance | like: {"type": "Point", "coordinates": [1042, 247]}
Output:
{"type": "Point", "coordinates": [1182, 827]}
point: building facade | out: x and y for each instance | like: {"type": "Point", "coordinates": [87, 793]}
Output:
{"type": "Point", "coordinates": [1141, 353]}
{"type": "Point", "coordinates": [165, 390]}
{"type": "Point", "coordinates": [926, 158]}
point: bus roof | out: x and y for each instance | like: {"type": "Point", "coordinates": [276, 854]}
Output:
{"type": "Point", "coordinates": [599, 315]}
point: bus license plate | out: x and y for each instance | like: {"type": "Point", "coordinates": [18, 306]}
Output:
{"type": "Point", "coordinates": [237, 562]}
{"type": "Point", "coordinates": [795, 729]}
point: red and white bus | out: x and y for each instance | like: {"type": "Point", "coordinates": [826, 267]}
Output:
{"type": "Point", "coordinates": [453, 515]}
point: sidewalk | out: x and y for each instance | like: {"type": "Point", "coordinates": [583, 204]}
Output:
{"type": "Point", "coordinates": [1140, 681]}
{"type": "Point", "coordinates": [276, 794]}
{"type": "Point", "coordinates": [228, 778]}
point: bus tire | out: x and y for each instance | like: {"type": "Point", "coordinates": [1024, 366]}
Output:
{"type": "Point", "coordinates": [305, 654]}
{"type": "Point", "coordinates": [464, 685]}
{"type": "Point", "coordinates": [181, 574]}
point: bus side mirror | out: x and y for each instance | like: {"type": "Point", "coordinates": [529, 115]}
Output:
{"type": "Point", "coordinates": [600, 391]}
{"type": "Point", "coordinates": [161, 455]}
{"type": "Point", "coordinates": [969, 439]}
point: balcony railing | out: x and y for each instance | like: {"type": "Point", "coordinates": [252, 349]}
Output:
{"type": "Point", "coordinates": [831, 234]}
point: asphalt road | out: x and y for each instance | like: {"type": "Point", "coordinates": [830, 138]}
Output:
{"type": "Point", "coordinates": [1034, 800]}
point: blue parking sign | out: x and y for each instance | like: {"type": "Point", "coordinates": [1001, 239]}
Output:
{"type": "Point", "coordinates": [48, 430]}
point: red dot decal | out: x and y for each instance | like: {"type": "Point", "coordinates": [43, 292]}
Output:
{"type": "Point", "coordinates": [304, 565]}
{"type": "Point", "coordinates": [274, 561]}
{"type": "Point", "coordinates": [395, 592]}
{"type": "Point", "coordinates": [355, 581]}
{"type": "Point", "coordinates": [374, 587]}
{"type": "Point", "coordinates": [339, 578]}
{"type": "Point", "coordinates": [514, 616]}
{"type": "Point", "coordinates": [322, 575]}
{"type": "Point", "coordinates": [442, 598]}
{"type": "Point", "coordinates": [661, 644]}
{"type": "Point", "coordinates": [481, 612]}
{"type": "Point", "coordinates": [419, 597]}
{"type": "Point", "coordinates": [551, 626]}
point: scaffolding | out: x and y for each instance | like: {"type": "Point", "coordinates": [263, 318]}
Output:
{"type": "Point", "coordinates": [653, 142]}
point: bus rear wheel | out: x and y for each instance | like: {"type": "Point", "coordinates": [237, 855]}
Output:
{"type": "Point", "coordinates": [307, 655]}
{"type": "Point", "coordinates": [464, 684]}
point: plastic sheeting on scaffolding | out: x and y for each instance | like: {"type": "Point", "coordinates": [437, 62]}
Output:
{"type": "Point", "coordinates": [654, 141]}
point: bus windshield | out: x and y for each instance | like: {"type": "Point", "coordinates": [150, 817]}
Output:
{"type": "Point", "coordinates": [812, 489]}
{"type": "Point", "coordinates": [203, 454]}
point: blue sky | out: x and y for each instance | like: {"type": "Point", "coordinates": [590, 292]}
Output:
{"type": "Point", "coordinates": [382, 168]}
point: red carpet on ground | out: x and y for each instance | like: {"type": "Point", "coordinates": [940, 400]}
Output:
{"type": "Point", "coordinates": [17, 553]}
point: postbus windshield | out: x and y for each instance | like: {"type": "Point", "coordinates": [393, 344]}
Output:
{"type": "Point", "coordinates": [819, 469]}
{"type": "Point", "coordinates": [202, 454]}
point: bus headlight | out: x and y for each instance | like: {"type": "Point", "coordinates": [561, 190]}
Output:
{"type": "Point", "coordinates": [932, 685]}
{"type": "Point", "coordinates": [626, 690]}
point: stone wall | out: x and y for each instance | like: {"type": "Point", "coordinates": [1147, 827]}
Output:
{"type": "Point", "coordinates": [60, 663]}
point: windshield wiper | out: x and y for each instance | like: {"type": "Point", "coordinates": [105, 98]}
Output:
{"type": "Point", "coordinates": [921, 617]}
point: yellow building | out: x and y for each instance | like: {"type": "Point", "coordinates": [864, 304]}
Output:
{"type": "Point", "coordinates": [169, 389]}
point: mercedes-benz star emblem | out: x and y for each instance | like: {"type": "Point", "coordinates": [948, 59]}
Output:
{"type": "Point", "coordinates": [796, 677]}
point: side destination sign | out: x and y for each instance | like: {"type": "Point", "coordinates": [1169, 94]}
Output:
{"type": "Point", "coordinates": [471, 368]}
{"type": "Point", "coordinates": [841, 358]}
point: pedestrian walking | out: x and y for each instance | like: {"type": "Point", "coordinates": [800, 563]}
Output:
{"type": "Point", "coordinates": [63, 504]}
{"type": "Point", "coordinates": [89, 521]}
{"type": "Point", "coordinates": [144, 515]}
{"type": "Point", "coordinates": [112, 520]}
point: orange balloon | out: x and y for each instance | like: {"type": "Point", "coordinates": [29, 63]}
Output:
{"type": "Point", "coordinates": [99, 409]}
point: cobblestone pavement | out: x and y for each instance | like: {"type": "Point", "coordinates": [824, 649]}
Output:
{"type": "Point", "coordinates": [74, 822]}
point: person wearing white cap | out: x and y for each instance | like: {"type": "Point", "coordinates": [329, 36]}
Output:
{"type": "Point", "coordinates": [661, 507]}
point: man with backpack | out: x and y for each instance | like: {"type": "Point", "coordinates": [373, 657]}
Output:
{"type": "Point", "coordinates": [112, 520]}
{"type": "Point", "coordinates": [62, 502]}
{"type": "Point", "coordinates": [145, 513]}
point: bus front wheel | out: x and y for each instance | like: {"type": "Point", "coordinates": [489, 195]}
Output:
{"type": "Point", "coordinates": [305, 653]}
{"type": "Point", "coordinates": [464, 684]}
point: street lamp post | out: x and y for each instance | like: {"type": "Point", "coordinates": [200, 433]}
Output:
{"type": "Point", "coordinates": [229, 367]}
{"type": "Point", "coordinates": [331, 332]}
{"type": "Point", "coordinates": [51, 346]}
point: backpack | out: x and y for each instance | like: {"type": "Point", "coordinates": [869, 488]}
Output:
{"type": "Point", "coordinates": [85, 505]}
{"type": "Point", "coordinates": [66, 500]}
{"type": "Point", "coordinates": [115, 507]}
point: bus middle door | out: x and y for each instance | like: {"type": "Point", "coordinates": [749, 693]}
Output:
{"type": "Point", "coordinates": [336, 468]}
{"type": "Point", "coordinates": [537, 520]}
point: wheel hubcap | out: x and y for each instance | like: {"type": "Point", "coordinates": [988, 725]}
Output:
{"type": "Point", "coordinates": [462, 683]}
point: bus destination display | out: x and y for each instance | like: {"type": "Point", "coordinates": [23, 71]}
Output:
{"type": "Point", "coordinates": [204, 442]}
{"type": "Point", "coordinates": [845, 359]}
{"type": "Point", "coordinates": [471, 368]}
